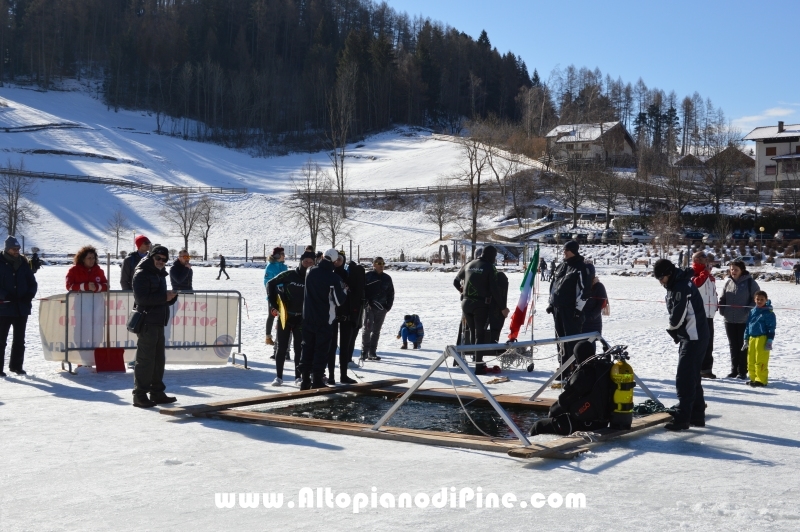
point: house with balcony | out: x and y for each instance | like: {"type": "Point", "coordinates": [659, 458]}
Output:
{"type": "Point", "coordinates": [604, 141]}
{"type": "Point", "coordinates": [777, 154]}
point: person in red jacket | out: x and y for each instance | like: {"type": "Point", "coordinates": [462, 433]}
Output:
{"type": "Point", "coordinates": [86, 275]}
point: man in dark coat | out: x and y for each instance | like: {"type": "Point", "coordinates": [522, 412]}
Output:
{"type": "Point", "coordinates": [289, 287]}
{"type": "Point", "coordinates": [340, 328]}
{"type": "Point", "coordinates": [379, 293]}
{"type": "Point", "coordinates": [151, 296]}
{"type": "Point", "coordinates": [324, 291]}
{"type": "Point", "coordinates": [131, 261]}
{"type": "Point", "coordinates": [598, 299]}
{"type": "Point", "coordinates": [687, 327]}
{"type": "Point", "coordinates": [479, 294]}
{"type": "Point", "coordinates": [180, 274]}
{"type": "Point", "coordinates": [356, 280]}
{"type": "Point", "coordinates": [17, 289]}
{"type": "Point", "coordinates": [585, 403]}
{"type": "Point", "coordinates": [222, 268]}
{"type": "Point", "coordinates": [569, 291]}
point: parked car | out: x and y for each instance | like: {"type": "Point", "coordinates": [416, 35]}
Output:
{"type": "Point", "coordinates": [562, 238]}
{"type": "Point", "coordinates": [787, 234]}
{"type": "Point", "coordinates": [636, 237]}
{"type": "Point", "coordinates": [610, 236]}
{"type": "Point", "coordinates": [547, 238]}
{"type": "Point", "coordinates": [600, 217]}
{"type": "Point", "coordinates": [760, 238]}
{"type": "Point", "coordinates": [747, 259]}
{"type": "Point", "coordinates": [693, 237]}
{"type": "Point", "coordinates": [710, 238]}
{"type": "Point", "coordinates": [586, 217]}
{"type": "Point", "coordinates": [669, 238]}
{"type": "Point", "coordinates": [580, 238]}
{"type": "Point", "coordinates": [595, 237]}
{"type": "Point", "coordinates": [738, 236]}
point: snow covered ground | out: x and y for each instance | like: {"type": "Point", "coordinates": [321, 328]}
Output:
{"type": "Point", "coordinates": [74, 455]}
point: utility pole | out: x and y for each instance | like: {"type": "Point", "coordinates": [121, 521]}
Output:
{"type": "Point", "coordinates": [245, 250]}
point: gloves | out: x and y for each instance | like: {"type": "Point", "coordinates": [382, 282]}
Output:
{"type": "Point", "coordinates": [674, 335]}
{"type": "Point", "coordinates": [768, 347]}
{"type": "Point", "coordinates": [744, 346]}
{"type": "Point", "coordinates": [549, 309]}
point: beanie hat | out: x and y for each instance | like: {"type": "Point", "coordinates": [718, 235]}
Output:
{"type": "Point", "coordinates": [277, 251]}
{"type": "Point", "coordinates": [307, 255]}
{"type": "Point", "coordinates": [489, 254]}
{"type": "Point", "coordinates": [663, 267]}
{"type": "Point", "coordinates": [139, 240]}
{"type": "Point", "coordinates": [332, 255]}
{"type": "Point", "coordinates": [159, 250]}
{"type": "Point", "coordinates": [583, 350]}
{"type": "Point", "coordinates": [408, 317]}
{"type": "Point", "coordinates": [572, 247]}
{"type": "Point", "coordinates": [592, 272]}
{"type": "Point", "coordinates": [11, 242]}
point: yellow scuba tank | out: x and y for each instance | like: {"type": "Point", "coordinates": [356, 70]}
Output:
{"type": "Point", "coordinates": [622, 376]}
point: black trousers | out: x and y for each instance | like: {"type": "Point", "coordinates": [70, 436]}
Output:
{"type": "Point", "coordinates": [17, 357]}
{"type": "Point", "coordinates": [735, 333]}
{"type": "Point", "coordinates": [148, 373]}
{"type": "Point", "coordinates": [476, 320]}
{"type": "Point", "coordinates": [566, 325]}
{"type": "Point", "coordinates": [221, 271]}
{"type": "Point", "coordinates": [270, 322]}
{"type": "Point", "coordinates": [294, 332]}
{"type": "Point", "coordinates": [691, 402]}
{"type": "Point", "coordinates": [373, 321]}
{"type": "Point", "coordinates": [343, 330]}
{"type": "Point", "coordinates": [316, 343]}
{"type": "Point", "coordinates": [708, 359]}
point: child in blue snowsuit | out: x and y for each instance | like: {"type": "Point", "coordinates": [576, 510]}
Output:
{"type": "Point", "coordinates": [412, 331]}
{"type": "Point", "coordinates": [758, 338]}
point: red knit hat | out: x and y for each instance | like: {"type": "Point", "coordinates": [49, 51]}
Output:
{"type": "Point", "coordinates": [139, 240]}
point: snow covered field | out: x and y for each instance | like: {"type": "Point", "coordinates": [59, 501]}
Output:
{"type": "Point", "coordinates": [74, 455]}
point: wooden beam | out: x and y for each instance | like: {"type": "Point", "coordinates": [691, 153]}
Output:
{"type": "Point", "coordinates": [275, 397]}
{"type": "Point", "coordinates": [569, 442]}
{"type": "Point", "coordinates": [427, 437]}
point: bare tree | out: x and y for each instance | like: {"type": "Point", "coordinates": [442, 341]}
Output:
{"type": "Point", "coordinates": [678, 189]}
{"type": "Point", "coordinates": [311, 188]}
{"type": "Point", "coordinates": [522, 186]}
{"type": "Point", "coordinates": [473, 165]}
{"type": "Point", "coordinates": [334, 225]}
{"type": "Point", "coordinates": [211, 212]}
{"type": "Point", "coordinates": [16, 191]}
{"type": "Point", "coordinates": [572, 188]}
{"type": "Point", "coordinates": [440, 209]}
{"type": "Point", "coordinates": [182, 211]}
{"type": "Point", "coordinates": [341, 106]}
{"type": "Point", "coordinates": [116, 225]}
{"type": "Point", "coordinates": [608, 187]}
{"type": "Point", "coordinates": [723, 169]}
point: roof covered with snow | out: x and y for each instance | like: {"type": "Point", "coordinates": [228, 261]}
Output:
{"type": "Point", "coordinates": [580, 132]}
{"type": "Point", "coordinates": [771, 132]}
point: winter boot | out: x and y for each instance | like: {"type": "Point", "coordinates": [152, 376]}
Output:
{"type": "Point", "coordinates": [317, 381]}
{"type": "Point", "coordinates": [417, 345]}
{"type": "Point", "coordinates": [160, 398]}
{"type": "Point", "coordinates": [677, 425]}
{"type": "Point", "coordinates": [269, 340]}
{"type": "Point", "coordinates": [480, 368]}
{"type": "Point", "coordinates": [347, 380]}
{"type": "Point", "coordinates": [141, 401]}
{"type": "Point", "coordinates": [404, 346]}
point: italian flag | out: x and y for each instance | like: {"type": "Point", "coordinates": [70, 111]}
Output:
{"type": "Point", "coordinates": [525, 296]}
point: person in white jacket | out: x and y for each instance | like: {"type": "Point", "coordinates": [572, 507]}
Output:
{"type": "Point", "coordinates": [706, 285]}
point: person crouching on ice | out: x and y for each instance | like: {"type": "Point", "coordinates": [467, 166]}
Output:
{"type": "Point", "coordinates": [412, 331]}
{"type": "Point", "coordinates": [758, 338]}
{"type": "Point", "coordinates": [584, 403]}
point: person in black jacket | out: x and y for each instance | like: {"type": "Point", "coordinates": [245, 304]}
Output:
{"type": "Point", "coordinates": [585, 403]}
{"type": "Point", "coordinates": [17, 289]}
{"type": "Point", "coordinates": [689, 328]}
{"type": "Point", "coordinates": [180, 274]}
{"type": "Point", "coordinates": [479, 294]}
{"type": "Point", "coordinates": [340, 328]}
{"type": "Point", "coordinates": [324, 292]}
{"type": "Point", "coordinates": [598, 300]}
{"type": "Point", "coordinates": [379, 294]}
{"type": "Point", "coordinates": [289, 287]}
{"type": "Point", "coordinates": [151, 296]}
{"type": "Point", "coordinates": [354, 318]}
{"type": "Point", "coordinates": [569, 291]}
{"type": "Point", "coordinates": [222, 268]}
{"type": "Point", "coordinates": [132, 260]}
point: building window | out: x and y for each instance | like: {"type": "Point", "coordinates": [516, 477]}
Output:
{"type": "Point", "coordinates": [771, 151]}
{"type": "Point", "coordinates": [771, 170]}
{"type": "Point", "coordinates": [797, 149]}
{"type": "Point", "coordinates": [570, 146]}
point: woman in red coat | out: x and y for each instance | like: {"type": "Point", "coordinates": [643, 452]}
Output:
{"type": "Point", "coordinates": [86, 275]}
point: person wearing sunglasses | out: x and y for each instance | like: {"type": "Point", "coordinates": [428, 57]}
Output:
{"type": "Point", "coordinates": [379, 293]}
{"type": "Point", "coordinates": [152, 298]}
{"type": "Point", "coordinates": [17, 289]}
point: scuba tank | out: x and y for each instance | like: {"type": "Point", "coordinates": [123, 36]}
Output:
{"type": "Point", "coordinates": [622, 376]}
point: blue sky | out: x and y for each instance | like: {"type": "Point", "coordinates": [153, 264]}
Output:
{"type": "Point", "coordinates": [743, 55]}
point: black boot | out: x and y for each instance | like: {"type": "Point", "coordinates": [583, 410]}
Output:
{"type": "Point", "coordinates": [347, 380]}
{"type": "Point", "coordinates": [677, 425]}
{"type": "Point", "coordinates": [160, 398]}
{"type": "Point", "coordinates": [404, 346]}
{"type": "Point", "coordinates": [305, 382]}
{"type": "Point", "coordinates": [141, 401]}
{"type": "Point", "coordinates": [317, 382]}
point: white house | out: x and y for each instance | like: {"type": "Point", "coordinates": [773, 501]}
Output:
{"type": "Point", "coordinates": [777, 153]}
{"type": "Point", "coordinates": [608, 141]}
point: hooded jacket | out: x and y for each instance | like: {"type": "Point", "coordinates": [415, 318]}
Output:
{"type": "Point", "coordinates": [707, 287]}
{"type": "Point", "coordinates": [761, 322]}
{"type": "Point", "coordinates": [571, 284]}
{"type": "Point", "coordinates": [415, 330]}
{"type": "Point", "coordinates": [79, 277]}
{"type": "Point", "coordinates": [17, 287]}
{"type": "Point", "coordinates": [737, 298]}
{"type": "Point", "coordinates": [687, 316]}
{"type": "Point", "coordinates": [598, 299]}
{"type": "Point", "coordinates": [323, 293]}
{"type": "Point", "coordinates": [150, 292]}
{"type": "Point", "coordinates": [290, 287]}
{"type": "Point", "coordinates": [272, 269]}
{"type": "Point", "coordinates": [180, 276]}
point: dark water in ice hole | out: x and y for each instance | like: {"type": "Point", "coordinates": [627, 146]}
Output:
{"type": "Point", "coordinates": [414, 414]}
